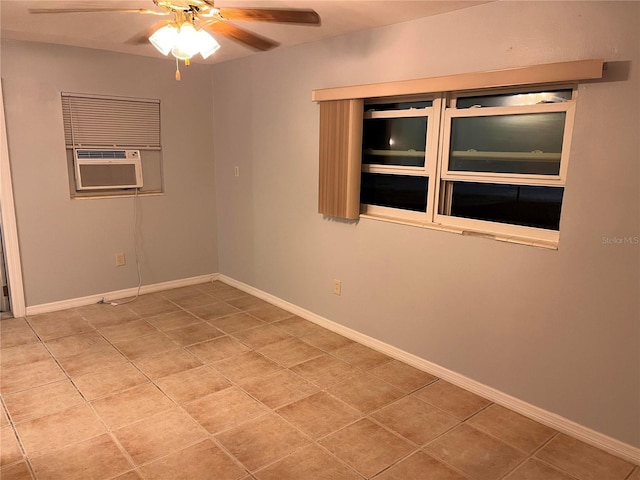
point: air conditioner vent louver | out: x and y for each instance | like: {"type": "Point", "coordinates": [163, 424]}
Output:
{"type": "Point", "coordinates": [101, 154]}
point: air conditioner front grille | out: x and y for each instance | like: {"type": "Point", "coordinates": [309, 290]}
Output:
{"type": "Point", "coordinates": [103, 169]}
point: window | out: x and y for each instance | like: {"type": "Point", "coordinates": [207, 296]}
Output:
{"type": "Point", "coordinates": [109, 126]}
{"type": "Point", "coordinates": [484, 162]}
{"type": "Point", "coordinates": [474, 153]}
{"type": "Point", "coordinates": [398, 156]}
{"type": "Point", "coordinates": [504, 162]}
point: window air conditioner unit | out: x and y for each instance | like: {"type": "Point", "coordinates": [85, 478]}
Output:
{"type": "Point", "coordinates": [107, 169]}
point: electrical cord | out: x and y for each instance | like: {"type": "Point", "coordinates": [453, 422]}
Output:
{"type": "Point", "coordinates": [135, 248]}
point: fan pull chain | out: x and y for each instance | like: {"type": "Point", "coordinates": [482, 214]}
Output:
{"type": "Point", "coordinates": [177, 70]}
{"type": "Point", "coordinates": [187, 62]}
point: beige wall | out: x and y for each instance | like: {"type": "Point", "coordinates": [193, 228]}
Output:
{"type": "Point", "coordinates": [559, 329]}
{"type": "Point", "coordinates": [68, 246]}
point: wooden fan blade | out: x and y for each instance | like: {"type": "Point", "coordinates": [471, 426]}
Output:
{"type": "Point", "coordinates": [302, 16]}
{"type": "Point", "coordinates": [143, 37]}
{"type": "Point", "coordinates": [240, 35]}
{"type": "Point", "coordinates": [96, 10]}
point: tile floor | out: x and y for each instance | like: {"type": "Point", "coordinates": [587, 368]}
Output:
{"type": "Point", "coordinates": [207, 382]}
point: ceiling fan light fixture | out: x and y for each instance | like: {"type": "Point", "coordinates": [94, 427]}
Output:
{"type": "Point", "coordinates": [184, 41]}
{"type": "Point", "coordinates": [207, 44]}
{"type": "Point", "coordinates": [164, 39]}
{"type": "Point", "coordinates": [187, 42]}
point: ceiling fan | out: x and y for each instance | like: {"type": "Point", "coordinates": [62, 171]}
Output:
{"type": "Point", "coordinates": [188, 31]}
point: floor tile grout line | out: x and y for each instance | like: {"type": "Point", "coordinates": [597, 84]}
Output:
{"type": "Point", "coordinates": [398, 434]}
{"type": "Point", "coordinates": [55, 359]}
{"type": "Point", "coordinates": [212, 435]}
{"type": "Point", "coordinates": [421, 450]}
{"type": "Point", "coordinates": [442, 434]}
{"type": "Point", "coordinates": [226, 451]}
{"type": "Point", "coordinates": [221, 301]}
{"type": "Point", "coordinates": [436, 438]}
{"type": "Point", "coordinates": [545, 462]}
{"type": "Point", "coordinates": [273, 410]}
{"type": "Point", "coordinates": [315, 444]}
{"type": "Point", "coordinates": [27, 462]}
{"type": "Point", "coordinates": [6, 410]}
{"type": "Point", "coordinates": [106, 427]}
{"type": "Point", "coordinates": [416, 448]}
{"type": "Point", "coordinates": [28, 457]}
{"type": "Point", "coordinates": [184, 308]}
{"type": "Point", "coordinates": [117, 441]}
{"type": "Point", "coordinates": [363, 415]}
{"type": "Point", "coordinates": [545, 443]}
{"type": "Point", "coordinates": [636, 468]}
{"type": "Point", "coordinates": [13, 428]}
{"type": "Point", "coordinates": [90, 405]}
{"type": "Point", "coordinates": [517, 465]}
{"type": "Point", "coordinates": [485, 407]}
{"type": "Point", "coordinates": [365, 370]}
{"type": "Point", "coordinates": [532, 457]}
{"type": "Point", "coordinates": [208, 437]}
{"type": "Point", "coordinates": [223, 448]}
{"type": "Point", "coordinates": [527, 455]}
{"type": "Point", "coordinates": [450, 466]}
{"type": "Point", "coordinates": [118, 475]}
{"type": "Point", "coordinates": [83, 396]}
{"type": "Point", "coordinates": [313, 441]}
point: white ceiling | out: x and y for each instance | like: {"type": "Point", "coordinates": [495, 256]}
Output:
{"type": "Point", "coordinates": [110, 31]}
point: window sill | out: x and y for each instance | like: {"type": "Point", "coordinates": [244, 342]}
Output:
{"type": "Point", "coordinates": [520, 240]}
{"type": "Point", "coordinates": [117, 195]}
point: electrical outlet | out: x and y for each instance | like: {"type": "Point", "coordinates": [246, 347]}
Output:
{"type": "Point", "coordinates": [236, 171]}
{"type": "Point", "coordinates": [120, 260]}
{"type": "Point", "coordinates": [337, 287]}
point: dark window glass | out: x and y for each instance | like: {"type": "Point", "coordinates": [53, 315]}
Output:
{"type": "Point", "coordinates": [531, 206]}
{"type": "Point", "coordinates": [396, 191]}
{"type": "Point", "coordinates": [522, 144]}
{"type": "Point", "coordinates": [383, 107]}
{"type": "Point", "coordinates": [394, 141]}
{"type": "Point", "coordinates": [513, 99]}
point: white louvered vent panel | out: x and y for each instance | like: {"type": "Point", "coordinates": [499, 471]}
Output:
{"type": "Point", "coordinates": [111, 122]}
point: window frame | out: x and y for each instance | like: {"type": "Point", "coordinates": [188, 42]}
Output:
{"type": "Point", "coordinates": [432, 134]}
{"type": "Point", "coordinates": [505, 230]}
{"type": "Point", "coordinates": [437, 158]}
{"type": "Point", "coordinates": [567, 107]}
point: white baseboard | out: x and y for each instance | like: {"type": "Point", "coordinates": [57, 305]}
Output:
{"type": "Point", "coordinates": [110, 296]}
{"type": "Point", "coordinates": [552, 420]}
